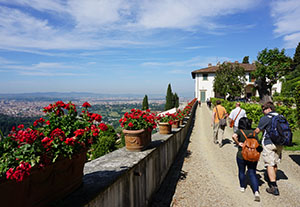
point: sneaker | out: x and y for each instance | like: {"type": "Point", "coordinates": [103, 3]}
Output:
{"type": "Point", "coordinates": [242, 189]}
{"type": "Point", "coordinates": [273, 190]}
{"type": "Point", "coordinates": [256, 196]}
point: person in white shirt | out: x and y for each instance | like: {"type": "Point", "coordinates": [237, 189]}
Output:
{"type": "Point", "coordinates": [236, 114]}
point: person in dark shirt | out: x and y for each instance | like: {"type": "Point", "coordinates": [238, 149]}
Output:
{"type": "Point", "coordinates": [239, 138]}
{"type": "Point", "coordinates": [271, 153]}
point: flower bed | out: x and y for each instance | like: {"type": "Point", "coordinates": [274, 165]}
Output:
{"type": "Point", "coordinates": [62, 135]}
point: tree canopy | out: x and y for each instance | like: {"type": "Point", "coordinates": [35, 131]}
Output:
{"type": "Point", "coordinates": [176, 98]}
{"type": "Point", "coordinates": [271, 65]}
{"type": "Point", "coordinates": [292, 78]}
{"type": "Point", "coordinates": [246, 59]}
{"type": "Point", "coordinates": [230, 80]}
{"type": "Point", "coordinates": [145, 103]}
{"type": "Point", "coordinates": [169, 98]}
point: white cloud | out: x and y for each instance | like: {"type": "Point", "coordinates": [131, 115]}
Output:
{"type": "Point", "coordinates": [287, 21]}
{"type": "Point", "coordinates": [92, 14]}
{"type": "Point", "coordinates": [196, 47]}
{"type": "Point", "coordinates": [53, 6]}
{"type": "Point", "coordinates": [49, 74]}
{"type": "Point", "coordinates": [184, 14]}
{"type": "Point", "coordinates": [95, 24]}
{"type": "Point", "coordinates": [46, 69]}
{"type": "Point", "coordinates": [4, 61]}
{"type": "Point", "coordinates": [198, 62]}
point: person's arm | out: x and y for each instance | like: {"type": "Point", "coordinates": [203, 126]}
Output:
{"type": "Point", "coordinates": [257, 130]}
{"type": "Point", "coordinates": [235, 139]}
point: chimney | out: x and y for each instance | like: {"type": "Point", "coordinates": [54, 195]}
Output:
{"type": "Point", "coordinates": [209, 65]}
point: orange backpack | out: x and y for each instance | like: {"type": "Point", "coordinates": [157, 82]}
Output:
{"type": "Point", "coordinates": [249, 151]}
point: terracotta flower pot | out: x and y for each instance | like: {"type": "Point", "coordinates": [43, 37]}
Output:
{"type": "Point", "coordinates": [175, 125]}
{"type": "Point", "coordinates": [164, 128]}
{"type": "Point", "coordinates": [135, 140]}
{"type": "Point", "coordinates": [46, 185]}
{"type": "Point", "coordinates": [148, 136]}
{"type": "Point", "coordinates": [181, 122]}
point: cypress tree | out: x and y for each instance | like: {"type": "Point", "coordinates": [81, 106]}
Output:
{"type": "Point", "coordinates": [296, 59]}
{"type": "Point", "coordinates": [297, 97]}
{"type": "Point", "coordinates": [176, 100]}
{"type": "Point", "coordinates": [169, 98]}
{"type": "Point", "coordinates": [246, 59]}
{"type": "Point", "coordinates": [145, 103]}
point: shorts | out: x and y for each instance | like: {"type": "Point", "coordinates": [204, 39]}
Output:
{"type": "Point", "coordinates": [271, 154]}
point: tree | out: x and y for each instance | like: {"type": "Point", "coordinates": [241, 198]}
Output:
{"type": "Point", "coordinates": [246, 59]}
{"type": "Point", "coordinates": [271, 65]}
{"type": "Point", "coordinates": [297, 97]}
{"type": "Point", "coordinates": [176, 100]}
{"type": "Point", "coordinates": [292, 77]}
{"type": "Point", "coordinates": [145, 103]}
{"type": "Point", "coordinates": [296, 59]}
{"type": "Point", "coordinates": [230, 80]}
{"type": "Point", "coordinates": [169, 98]}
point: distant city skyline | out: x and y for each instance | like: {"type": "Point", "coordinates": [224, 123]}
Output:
{"type": "Point", "coordinates": [134, 47]}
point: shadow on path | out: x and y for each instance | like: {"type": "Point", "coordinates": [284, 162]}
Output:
{"type": "Point", "coordinates": [164, 195]}
{"type": "Point", "coordinates": [295, 158]}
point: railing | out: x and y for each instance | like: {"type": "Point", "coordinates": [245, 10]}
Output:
{"type": "Point", "coordinates": [124, 178]}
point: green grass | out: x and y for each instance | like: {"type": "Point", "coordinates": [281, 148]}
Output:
{"type": "Point", "coordinates": [296, 142]}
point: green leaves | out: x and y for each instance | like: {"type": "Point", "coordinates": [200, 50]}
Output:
{"type": "Point", "coordinates": [230, 80]}
{"type": "Point", "coordinates": [271, 65]}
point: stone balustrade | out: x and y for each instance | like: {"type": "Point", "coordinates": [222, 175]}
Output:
{"type": "Point", "coordinates": [124, 178]}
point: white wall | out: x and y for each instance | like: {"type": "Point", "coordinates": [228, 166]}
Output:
{"type": "Point", "coordinates": [207, 85]}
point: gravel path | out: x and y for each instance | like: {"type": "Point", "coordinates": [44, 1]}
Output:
{"type": "Point", "coordinates": [208, 175]}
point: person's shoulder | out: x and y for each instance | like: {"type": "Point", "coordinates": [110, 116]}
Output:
{"type": "Point", "coordinates": [238, 132]}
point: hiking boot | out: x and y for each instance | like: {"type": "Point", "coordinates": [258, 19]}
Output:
{"type": "Point", "coordinates": [256, 196]}
{"type": "Point", "coordinates": [273, 190]}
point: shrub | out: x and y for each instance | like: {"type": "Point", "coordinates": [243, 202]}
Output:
{"type": "Point", "coordinates": [104, 143]}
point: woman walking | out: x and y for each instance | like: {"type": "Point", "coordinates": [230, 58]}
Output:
{"type": "Point", "coordinates": [244, 129]}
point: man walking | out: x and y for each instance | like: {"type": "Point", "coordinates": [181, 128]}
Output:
{"type": "Point", "coordinates": [235, 116]}
{"type": "Point", "coordinates": [271, 153]}
{"type": "Point", "coordinates": [219, 112]}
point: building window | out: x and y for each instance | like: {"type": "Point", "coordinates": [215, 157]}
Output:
{"type": "Point", "coordinates": [251, 78]}
{"type": "Point", "coordinates": [205, 76]}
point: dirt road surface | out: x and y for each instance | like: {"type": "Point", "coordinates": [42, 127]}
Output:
{"type": "Point", "coordinates": [209, 176]}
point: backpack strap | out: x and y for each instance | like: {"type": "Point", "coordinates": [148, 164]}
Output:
{"type": "Point", "coordinates": [237, 114]}
{"type": "Point", "coordinates": [217, 112]}
{"type": "Point", "coordinates": [244, 134]}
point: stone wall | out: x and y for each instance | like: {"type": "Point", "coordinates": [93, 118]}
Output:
{"type": "Point", "coordinates": [123, 178]}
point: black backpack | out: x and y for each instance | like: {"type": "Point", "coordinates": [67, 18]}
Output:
{"type": "Point", "coordinates": [280, 131]}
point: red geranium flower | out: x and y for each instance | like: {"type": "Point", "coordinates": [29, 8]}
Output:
{"type": "Point", "coordinates": [86, 105]}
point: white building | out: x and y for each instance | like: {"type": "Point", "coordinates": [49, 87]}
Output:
{"type": "Point", "coordinates": [204, 79]}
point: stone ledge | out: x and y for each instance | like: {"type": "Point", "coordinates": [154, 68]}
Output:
{"type": "Point", "coordinates": [124, 178]}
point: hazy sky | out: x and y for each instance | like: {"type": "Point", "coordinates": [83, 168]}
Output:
{"type": "Point", "coordinates": [134, 46]}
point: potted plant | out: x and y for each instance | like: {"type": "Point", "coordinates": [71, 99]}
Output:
{"type": "Point", "coordinates": [180, 116]}
{"type": "Point", "coordinates": [165, 122]}
{"type": "Point", "coordinates": [45, 161]}
{"type": "Point", "coordinates": [137, 127]}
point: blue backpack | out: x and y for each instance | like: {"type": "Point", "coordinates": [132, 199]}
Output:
{"type": "Point", "coordinates": [280, 131]}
